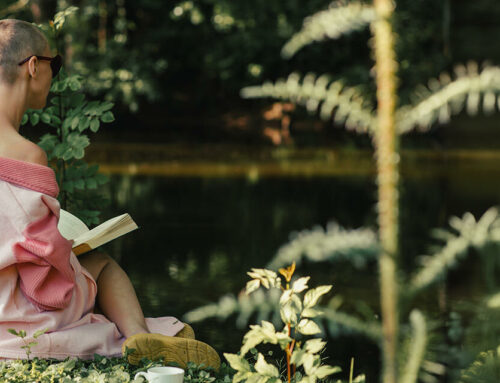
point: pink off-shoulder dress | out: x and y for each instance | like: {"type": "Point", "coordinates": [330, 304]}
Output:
{"type": "Point", "coordinates": [42, 284]}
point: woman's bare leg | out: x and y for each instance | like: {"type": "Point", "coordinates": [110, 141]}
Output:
{"type": "Point", "coordinates": [115, 294]}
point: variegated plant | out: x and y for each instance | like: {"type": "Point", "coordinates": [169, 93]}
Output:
{"type": "Point", "coordinates": [297, 313]}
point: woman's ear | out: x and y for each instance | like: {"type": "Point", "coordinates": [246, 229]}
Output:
{"type": "Point", "coordinates": [32, 66]}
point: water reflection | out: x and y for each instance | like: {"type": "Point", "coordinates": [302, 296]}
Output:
{"type": "Point", "coordinates": [200, 234]}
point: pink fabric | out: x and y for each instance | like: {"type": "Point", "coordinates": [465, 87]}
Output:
{"type": "Point", "coordinates": [46, 276]}
{"type": "Point", "coordinates": [42, 284]}
{"type": "Point", "coordinates": [28, 175]}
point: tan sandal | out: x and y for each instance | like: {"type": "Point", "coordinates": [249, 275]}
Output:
{"type": "Point", "coordinates": [170, 349]}
{"type": "Point", "coordinates": [186, 332]}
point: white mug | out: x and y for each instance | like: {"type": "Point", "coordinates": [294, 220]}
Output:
{"type": "Point", "coordinates": [163, 375]}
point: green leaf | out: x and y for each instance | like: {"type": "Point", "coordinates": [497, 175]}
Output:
{"type": "Point", "coordinates": [311, 313]}
{"type": "Point", "coordinates": [108, 117]}
{"type": "Point", "coordinates": [91, 183]}
{"type": "Point", "coordinates": [77, 99]}
{"type": "Point", "coordinates": [84, 123]}
{"type": "Point", "coordinates": [45, 117]}
{"type": "Point", "coordinates": [80, 184]}
{"type": "Point", "coordinates": [74, 83]}
{"type": "Point", "coordinates": [298, 356]}
{"type": "Point", "coordinates": [25, 119]}
{"type": "Point", "coordinates": [13, 331]}
{"type": "Point", "coordinates": [75, 122]}
{"type": "Point", "coordinates": [22, 333]}
{"type": "Point", "coordinates": [264, 368]}
{"type": "Point", "coordinates": [286, 296]}
{"type": "Point", "coordinates": [288, 313]}
{"type": "Point", "coordinates": [240, 376]}
{"type": "Point", "coordinates": [101, 179]}
{"type": "Point", "coordinates": [105, 106]}
{"type": "Point", "coordinates": [94, 125]}
{"type": "Point", "coordinates": [56, 120]}
{"type": "Point", "coordinates": [252, 285]}
{"type": "Point", "coordinates": [324, 371]}
{"type": "Point", "coordinates": [32, 344]}
{"type": "Point", "coordinates": [40, 332]}
{"type": "Point", "coordinates": [308, 361]}
{"type": "Point", "coordinates": [314, 346]}
{"type": "Point", "coordinates": [60, 86]}
{"type": "Point", "coordinates": [312, 296]}
{"type": "Point", "coordinates": [60, 149]}
{"type": "Point", "coordinates": [237, 362]}
{"type": "Point", "coordinates": [308, 327]}
{"type": "Point", "coordinates": [34, 119]}
{"type": "Point", "coordinates": [300, 284]}
{"type": "Point", "coordinates": [69, 364]}
{"type": "Point", "coordinates": [78, 143]}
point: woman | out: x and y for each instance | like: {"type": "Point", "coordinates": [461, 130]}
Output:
{"type": "Point", "coordinates": [42, 283]}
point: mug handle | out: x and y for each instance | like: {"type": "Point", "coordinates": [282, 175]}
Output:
{"type": "Point", "coordinates": [144, 374]}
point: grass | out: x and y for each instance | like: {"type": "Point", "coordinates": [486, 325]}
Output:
{"type": "Point", "coordinates": [98, 370]}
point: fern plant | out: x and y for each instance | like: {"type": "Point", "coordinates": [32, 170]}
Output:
{"type": "Point", "coordinates": [402, 328]}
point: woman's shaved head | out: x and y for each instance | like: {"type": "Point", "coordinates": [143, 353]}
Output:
{"type": "Point", "coordinates": [18, 40]}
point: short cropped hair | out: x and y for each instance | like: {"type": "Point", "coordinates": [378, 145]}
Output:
{"type": "Point", "coordinates": [18, 40]}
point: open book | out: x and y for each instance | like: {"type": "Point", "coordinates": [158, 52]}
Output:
{"type": "Point", "coordinates": [72, 228]}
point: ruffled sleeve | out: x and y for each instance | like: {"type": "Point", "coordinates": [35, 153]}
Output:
{"type": "Point", "coordinates": [29, 238]}
{"type": "Point", "coordinates": [46, 276]}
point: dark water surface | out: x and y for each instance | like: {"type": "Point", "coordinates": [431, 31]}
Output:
{"type": "Point", "coordinates": [199, 235]}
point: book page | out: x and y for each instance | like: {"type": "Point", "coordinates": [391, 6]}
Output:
{"type": "Point", "coordinates": [71, 227]}
{"type": "Point", "coordinates": [107, 231]}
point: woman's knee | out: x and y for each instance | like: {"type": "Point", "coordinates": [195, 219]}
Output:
{"type": "Point", "coordinates": [95, 262]}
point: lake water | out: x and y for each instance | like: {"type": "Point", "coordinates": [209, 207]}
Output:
{"type": "Point", "coordinates": [204, 224]}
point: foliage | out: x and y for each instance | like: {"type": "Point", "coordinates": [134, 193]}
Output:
{"type": "Point", "coordinates": [466, 233]}
{"type": "Point", "coordinates": [437, 102]}
{"type": "Point", "coordinates": [297, 316]}
{"type": "Point", "coordinates": [72, 116]}
{"type": "Point", "coordinates": [358, 246]}
{"type": "Point", "coordinates": [319, 93]}
{"type": "Point", "coordinates": [197, 53]}
{"type": "Point", "coordinates": [27, 345]}
{"type": "Point", "coordinates": [97, 370]}
{"type": "Point", "coordinates": [339, 19]}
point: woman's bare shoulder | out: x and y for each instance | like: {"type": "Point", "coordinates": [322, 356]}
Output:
{"type": "Point", "coordinates": [24, 150]}
{"type": "Point", "coordinates": [36, 154]}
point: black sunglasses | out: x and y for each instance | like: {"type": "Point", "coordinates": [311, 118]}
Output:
{"type": "Point", "coordinates": [55, 63]}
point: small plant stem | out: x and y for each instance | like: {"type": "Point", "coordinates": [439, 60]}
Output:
{"type": "Point", "coordinates": [386, 148]}
{"type": "Point", "coordinates": [351, 371]}
{"type": "Point", "coordinates": [288, 369]}
{"type": "Point", "coordinates": [289, 348]}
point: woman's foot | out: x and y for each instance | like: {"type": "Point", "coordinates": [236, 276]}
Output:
{"type": "Point", "coordinates": [170, 349]}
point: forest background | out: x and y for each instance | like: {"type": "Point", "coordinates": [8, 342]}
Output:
{"type": "Point", "coordinates": [175, 68]}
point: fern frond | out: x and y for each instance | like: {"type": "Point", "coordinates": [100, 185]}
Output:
{"type": "Point", "coordinates": [342, 323]}
{"type": "Point", "coordinates": [337, 20]}
{"type": "Point", "coordinates": [320, 94]}
{"type": "Point", "coordinates": [469, 233]}
{"type": "Point", "coordinates": [335, 243]}
{"type": "Point", "coordinates": [485, 369]}
{"type": "Point", "coordinates": [417, 347]}
{"type": "Point", "coordinates": [263, 303]}
{"type": "Point", "coordinates": [444, 97]}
